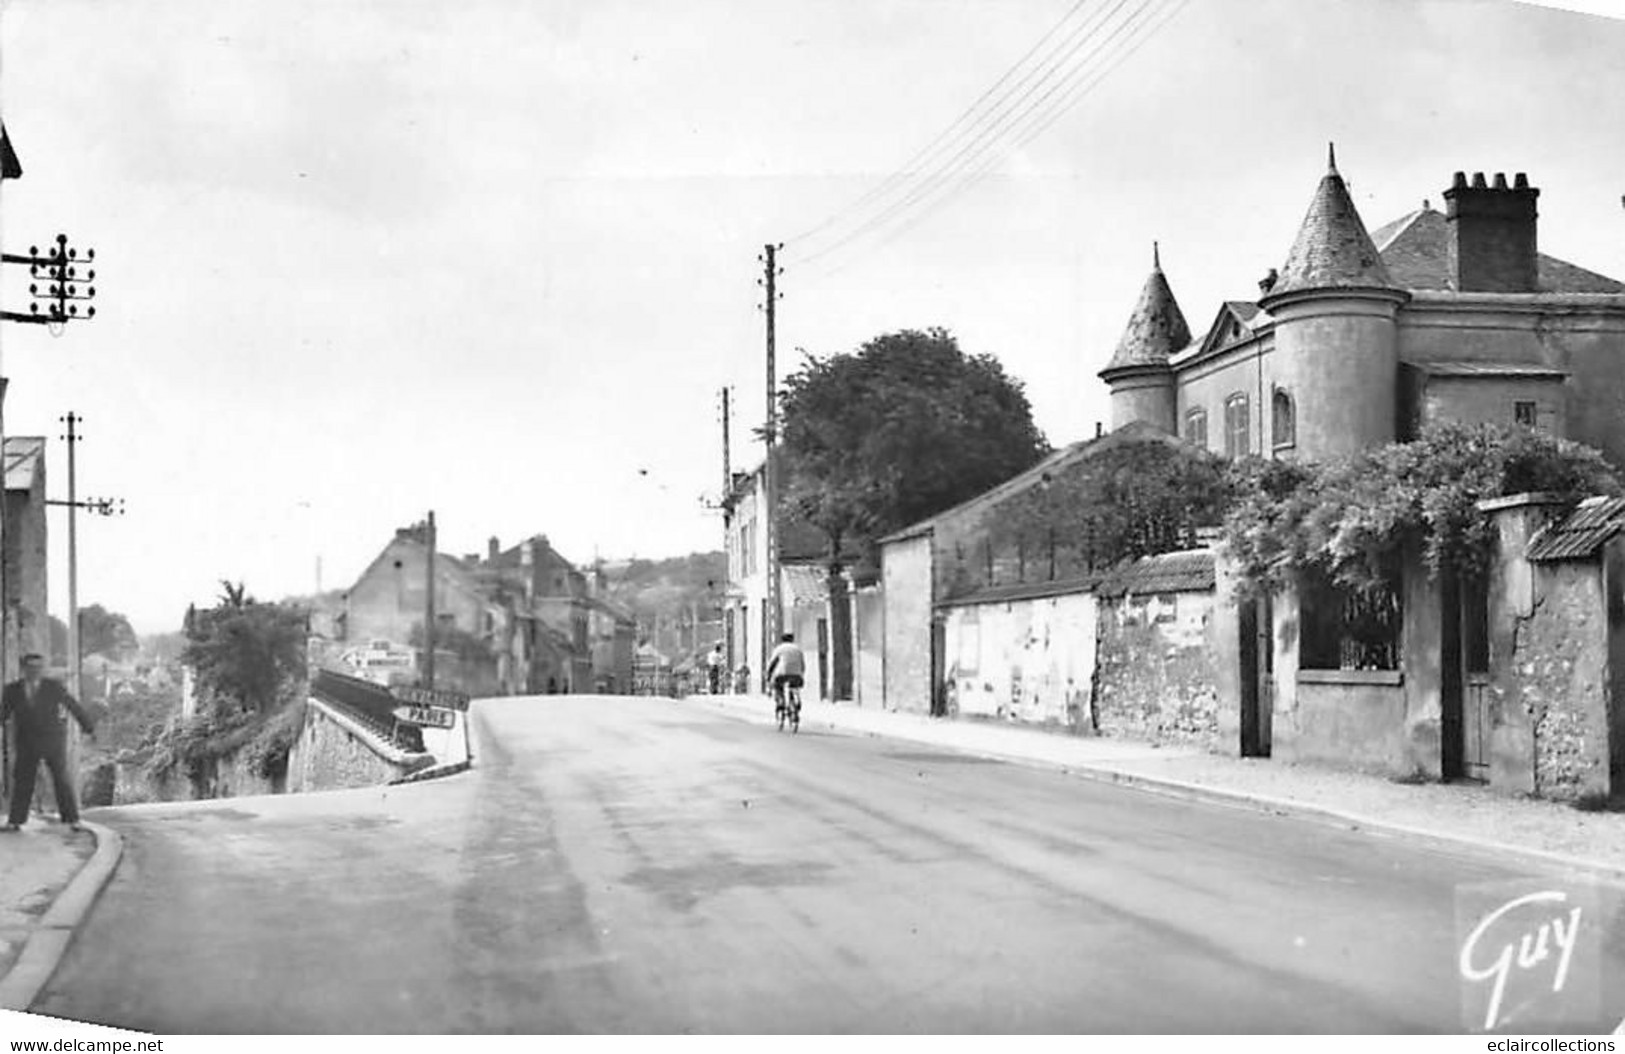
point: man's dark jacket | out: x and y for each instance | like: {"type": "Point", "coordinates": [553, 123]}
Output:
{"type": "Point", "coordinates": [40, 722]}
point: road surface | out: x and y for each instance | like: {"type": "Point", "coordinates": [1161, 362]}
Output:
{"type": "Point", "coordinates": [635, 865]}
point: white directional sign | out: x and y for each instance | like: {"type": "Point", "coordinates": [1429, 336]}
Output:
{"type": "Point", "coordinates": [430, 697]}
{"type": "Point", "coordinates": [426, 716]}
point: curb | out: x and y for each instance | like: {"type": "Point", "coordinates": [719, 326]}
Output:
{"type": "Point", "coordinates": [49, 940]}
{"type": "Point", "coordinates": [1187, 791]}
{"type": "Point", "coordinates": [434, 772]}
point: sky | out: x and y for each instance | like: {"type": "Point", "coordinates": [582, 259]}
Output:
{"type": "Point", "coordinates": [359, 260]}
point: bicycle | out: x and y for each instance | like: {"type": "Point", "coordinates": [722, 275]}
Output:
{"type": "Point", "coordinates": [788, 708]}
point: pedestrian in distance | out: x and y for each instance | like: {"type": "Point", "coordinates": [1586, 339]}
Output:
{"type": "Point", "coordinates": [36, 703]}
{"type": "Point", "coordinates": [716, 661]}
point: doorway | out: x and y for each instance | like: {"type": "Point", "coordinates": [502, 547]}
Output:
{"type": "Point", "coordinates": [1464, 693]}
{"type": "Point", "coordinates": [1257, 676]}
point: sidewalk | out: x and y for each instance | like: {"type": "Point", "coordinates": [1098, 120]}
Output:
{"type": "Point", "coordinates": [49, 876]}
{"type": "Point", "coordinates": [1457, 813]}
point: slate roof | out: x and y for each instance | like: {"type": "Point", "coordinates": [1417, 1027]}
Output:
{"type": "Point", "coordinates": [1416, 250]}
{"type": "Point", "coordinates": [1182, 572]}
{"type": "Point", "coordinates": [1156, 329]}
{"type": "Point", "coordinates": [1332, 249]}
{"type": "Point", "coordinates": [806, 585]}
{"type": "Point", "coordinates": [1581, 534]}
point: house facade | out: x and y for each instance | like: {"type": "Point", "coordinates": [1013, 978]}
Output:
{"type": "Point", "coordinates": [1360, 339]}
{"type": "Point", "coordinates": [522, 615]}
{"type": "Point", "coordinates": [804, 594]}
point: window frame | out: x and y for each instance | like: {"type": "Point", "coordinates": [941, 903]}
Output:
{"type": "Point", "coordinates": [1278, 398]}
{"type": "Point", "coordinates": [1196, 416]}
{"type": "Point", "coordinates": [1237, 425]}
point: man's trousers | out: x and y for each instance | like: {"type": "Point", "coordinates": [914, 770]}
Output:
{"type": "Point", "coordinates": [29, 754]}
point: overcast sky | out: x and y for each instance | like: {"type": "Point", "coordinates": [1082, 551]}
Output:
{"type": "Point", "coordinates": [495, 258]}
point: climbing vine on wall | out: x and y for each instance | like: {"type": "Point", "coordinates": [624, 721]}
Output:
{"type": "Point", "coordinates": [1354, 519]}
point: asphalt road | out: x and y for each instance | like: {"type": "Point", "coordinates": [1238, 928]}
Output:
{"type": "Point", "coordinates": [626, 865]}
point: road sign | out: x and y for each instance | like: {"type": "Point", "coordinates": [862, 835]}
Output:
{"type": "Point", "coordinates": [426, 716]}
{"type": "Point", "coordinates": [430, 697]}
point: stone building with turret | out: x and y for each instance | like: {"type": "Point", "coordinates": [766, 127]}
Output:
{"type": "Point", "coordinates": [1358, 339]}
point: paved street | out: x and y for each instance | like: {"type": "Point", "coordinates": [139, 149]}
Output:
{"type": "Point", "coordinates": [644, 865]}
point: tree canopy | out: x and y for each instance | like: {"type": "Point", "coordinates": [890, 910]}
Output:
{"type": "Point", "coordinates": [1353, 519]}
{"type": "Point", "coordinates": [105, 632]}
{"type": "Point", "coordinates": [907, 426]}
{"type": "Point", "coordinates": [246, 652]}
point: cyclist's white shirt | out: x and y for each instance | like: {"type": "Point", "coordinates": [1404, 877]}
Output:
{"type": "Point", "coordinates": [787, 660]}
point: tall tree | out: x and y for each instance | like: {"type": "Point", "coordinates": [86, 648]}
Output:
{"type": "Point", "coordinates": [244, 652]}
{"type": "Point", "coordinates": [904, 428]}
{"type": "Point", "coordinates": [105, 632]}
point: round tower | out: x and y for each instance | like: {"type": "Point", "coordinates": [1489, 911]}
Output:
{"type": "Point", "coordinates": [1333, 374]}
{"type": "Point", "coordinates": [1139, 374]}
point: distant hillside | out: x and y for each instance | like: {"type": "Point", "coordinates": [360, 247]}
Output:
{"type": "Point", "coordinates": [677, 601]}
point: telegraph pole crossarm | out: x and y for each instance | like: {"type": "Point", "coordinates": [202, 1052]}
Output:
{"type": "Point", "coordinates": [64, 290]}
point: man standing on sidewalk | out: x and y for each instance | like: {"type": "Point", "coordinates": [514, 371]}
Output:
{"type": "Point", "coordinates": [38, 702]}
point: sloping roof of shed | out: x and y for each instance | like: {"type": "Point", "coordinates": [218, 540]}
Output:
{"type": "Point", "coordinates": [1581, 534]}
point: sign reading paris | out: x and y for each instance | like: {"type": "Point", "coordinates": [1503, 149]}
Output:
{"type": "Point", "coordinates": [426, 716]}
{"type": "Point", "coordinates": [430, 697]}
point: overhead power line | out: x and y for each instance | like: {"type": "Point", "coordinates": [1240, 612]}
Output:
{"type": "Point", "coordinates": [980, 135]}
{"type": "Point", "coordinates": [920, 156]}
{"type": "Point", "coordinates": [1061, 86]}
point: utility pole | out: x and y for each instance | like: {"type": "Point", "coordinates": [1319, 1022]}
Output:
{"type": "Point", "coordinates": [72, 420]}
{"type": "Point", "coordinates": [428, 606]}
{"type": "Point", "coordinates": [773, 624]}
{"type": "Point", "coordinates": [106, 507]}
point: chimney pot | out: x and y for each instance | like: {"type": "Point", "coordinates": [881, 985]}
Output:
{"type": "Point", "coordinates": [1460, 180]}
{"type": "Point", "coordinates": [1500, 181]}
{"type": "Point", "coordinates": [1478, 181]}
{"type": "Point", "coordinates": [492, 548]}
{"type": "Point", "coordinates": [1520, 181]}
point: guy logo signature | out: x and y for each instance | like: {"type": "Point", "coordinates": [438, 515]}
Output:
{"type": "Point", "coordinates": [1547, 933]}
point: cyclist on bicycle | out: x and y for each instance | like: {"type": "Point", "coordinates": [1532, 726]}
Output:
{"type": "Point", "coordinates": [785, 667]}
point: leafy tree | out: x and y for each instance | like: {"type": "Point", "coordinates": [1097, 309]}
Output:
{"type": "Point", "coordinates": [904, 428]}
{"type": "Point", "coordinates": [245, 652]}
{"type": "Point", "coordinates": [105, 632]}
{"type": "Point", "coordinates": [1353, 519]}
{"type": "Point", "coordinates": [1139, 498]}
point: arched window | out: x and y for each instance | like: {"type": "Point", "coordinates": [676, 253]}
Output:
{"type": "Point", "coordinates": [1285, 419]}
{"type": "Point", "coordinates": [1235, 425]}
{"type": "Point", "coordinates": [1196, 428]}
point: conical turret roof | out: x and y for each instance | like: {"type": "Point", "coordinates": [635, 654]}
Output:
{"type": "Point", "coordinates": [1157, 328]}
{"type": "Point", "coordinates": [1333, 249]}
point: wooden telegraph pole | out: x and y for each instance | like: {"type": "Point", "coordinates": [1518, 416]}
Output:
{"type": "Point", "coordinates": [773, 622]}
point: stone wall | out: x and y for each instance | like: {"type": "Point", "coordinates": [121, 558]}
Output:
{"type": "Point", "coordinates": [1157, 676]}
{"type": "Point", "coordinates": [1554, 684]}
{"type": "Point", "coordinates": [333, 753]}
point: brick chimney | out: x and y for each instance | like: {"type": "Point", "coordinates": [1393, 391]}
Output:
{"type": "Point", "coordinates": [1492, 234]}
{"type": "Point", "coordinates": [492, 549]}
